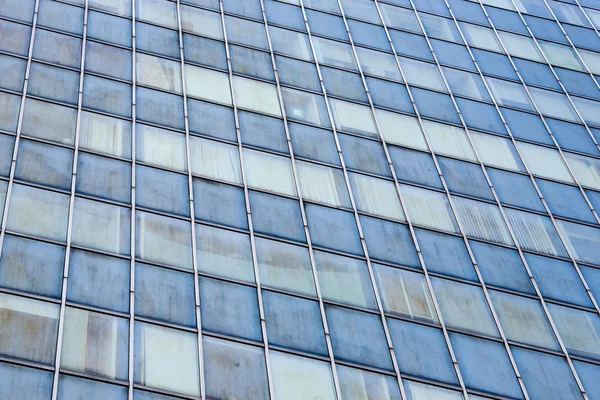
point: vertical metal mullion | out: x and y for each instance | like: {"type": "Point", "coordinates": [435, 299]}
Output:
{"type": "Point", "coordinates": [261, 310]}
{"type": "Point", "coordinates": [65, 279]}
{"type": "Point", "coordinates": [11, 176]}
{"type": "Point", "coordinates": [302, 210]}
{"type": "Point", "coordinates": [498, 203]}
{"type": "Point", "coordinates": [133, 210]}
{"type": "Point", "coordinates": [191, 205]}
{"type": "Point", "coordinates": [589, 19]}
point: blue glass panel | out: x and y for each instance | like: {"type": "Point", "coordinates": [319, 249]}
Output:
{"type": "Point", "coordinates": [99, 281]}
{"type": "Point", "coordinates": [71, 388]}
{"type": "Point", "coordinates": [501, 267]}
{"type": "Point", "coordinates": [578, 83]}
{"type": "Point", "coordinates": [248, 8]}
{"type": "Point", "coordinates": [485, 366]}
{"type": "Point", "coordinates": [294, 323]}
{"type": "Point", "coordinates": [467, 11]}
{"type": "Point", "coordinates": [592, 278]}
{"type": "Point", "coordinates": [546, 377]}
{"type": "Point", "coordinates": [103, 177]}
{"type": "Point", "coordinates": [435, 105]}
{"type": "Point", "coordinates": [588, 373]}
{"type": "Point", "coordinates": [12, 72]}
{"type": "Point", "coordinates": [572, 137]}
{"type": "Point", "coordinates": [314, 143]}
{"type": "Point", "coordinates": [18, 382]}
{"type": "Point", "coordinates": [389, 95]}
{"type": "Point", "coordinates": [251, 62]}
{"type": "Point", "coordinates": [204, 51]}
{"type": "Point", "coordinates": [9, 112]}
{"type": "Point", "coordinates": [481, 116]}
{"type": "Point", "coordinates": [453, 54]}
{"type": "Point", "coordinates": [389, 241]}
{"type": "Point", "coordinates": [526, 126]}
{"type": "Point", "coordinates": [54, 83]}
{"type": "Point", "coordinates": [156, 40]}
{"type": "Point", "coordinates": [260, 131]}
{"type": "Point", "coordinates": [494, 64]}
{"type": "Point", "coordinates": [165, 295]}
{"type": "Point", "coordinates": [445, 254]}
{"type": "Point", "coordinates": [507, 20]}
{"type": "Point", "coordinates": [44, 164]}
{"type": "Point", "coordinates": [109, 28]}
{"type": "Point", "coordinates": [21, 10]}
{"type": "Point", "coordinates": [57, 15]}
{"type": "Point", "coordinates": [334, 229]}
{"type": "Point", "coordinates": [410, 44]}
{"type": "Point", "coordinates": [326, 25]}
{"type": "Point", "coordinates": [515, 189]}
{"type": "Point", "coordinates": [284, 14]}
{"type": "Point", "coordinates": [565, 201]}
{"type": "Point", "coordinates": [229, 309]}
{"type": "Point", "coordinates": [421, 351]}
{"type": "Point", "coordinates": [364, 155]}
{"type": "Point", "coordinates": [160, 108]}
{"type": "Point", "coordinates": [108, 96]}
{"type": "Point", "coordinates": [161, 190]}
{"type": "Point", "coordinates": [211, 119]}
{"type": "Point", "coordinates": [276, 216]}
{"type": "Point", "coordinates": [14, 37]}
{"type": "Point", "coordinates": [220, 203]}
{"type": "Point", "coordinates": [545, 29]}
{"type": "Point", "coordinates": [465, 178]}
{"type": "Point", "coordinates": [414, 166]}
{"type": "Point", "coordinates": [536, 73]}
{"type": "Point", "coordinates": [582, 37]}
{"type": "Point", "coordinates": [358, 337]}
{"type": "Point", "coordinates": [343, 84]}
{"type": "Point", "coordinates": [6, 151]}
{"type": "Point", "coordinates": [432, 6]}
{"type": "Point", "coordinates": [368, 35]}
{"type": "Point", "coordinates": [32, 266]}
{"type": "Point", "coordinates": [297, 73]}
{"type": "Point", "coordinates": [558, 280]}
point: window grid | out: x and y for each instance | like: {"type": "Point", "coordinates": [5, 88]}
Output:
{"type": "Point", "coordinates": [133, 200]}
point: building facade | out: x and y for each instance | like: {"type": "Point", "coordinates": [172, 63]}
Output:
{"type": "Point", "coordinates": [299, 199]}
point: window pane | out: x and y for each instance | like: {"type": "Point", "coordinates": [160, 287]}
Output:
{"type": "Point", "coordinates": [95, 343]}
{"type": "Point", "coordinates": [358, 337]}
{"type": "Point", "coordinates": [9, 111]}
{"type": "Point", "coordinates": [276, 216]}
{"type": "Point", "coordinates": [405, 293]}
{"type": "Point", "coordinates": [12, 71]}
{"type": "Point", "coordinates": [64, 87]}
{"type": "Point", "coordinates": [201, 22]}
{"type": "Point", "coordinates": [101, 226]}
{"type": "Point", "coordinates": [207, 84]}
{"type": "Point", "coordinates": [553, 104]}
{"type": "Point", "coordinates": [269, 172]}
{"type": "Point", "coordinates": [544, 162]}
{"type": "Point", "coordinates": [256, 96]}
{"type": "Point", "coordinates": [523, 320]}
{"type": "Point", "coordinates": [224, 253]}
{"type": "Point", "coordinates": [29, 329]}
{"type": "Point", "coordinates": [27, 383]}
{"type": "Point", "coordinates": [164, 295]}
{"type": "Point", "coordinates": [376, 196]}
{"type": "Point", "coordinates": [158, 11]}
{"type": "Point", "coordinates": [482, 220]}
{"type": "Point", "coordinates": [298, 378]}
{"type": "Point", "coordinates": [99, 281]}
{"type": "Point", "coordinates": [464, 307]}
{"type": "Point", "coordinates": [429, 208]}
{"type": "Point", "coordinates": [57, 49]}
{"type": "Point", "coordinates": [224, 359]}
{"type": "Point", "coordinates": [166, 358]}
{"type": "Point", "coordinates": [535, 232]}
{"type": "Point", "coordinates": [159, 108]}
{"type": "Point", "coordinates": [344, 280]}
{"type": "Point", "coordinates": [107, 96]}
{"type": "Point", "coordinates": [389, 241]}
{"type": "Point", "coordinates": [44, 164]}
{"type": "Point", "coordinates": [356, 384]}
{"type": "Point", "coordinates": [48, 121]}
{"type": "Point", "coordinates": [496, 151]}
{"type": "Point", "coordinates": [105, 134]}
{"type": "Point", "coordinates": [354, 118]}
{"type": "Point", "coordinates": [323, 184]}
{"type": "Point", "coordinates": [32, 266]}
{"type": "Point", "coordinates": [579, 330]}
{"type": "Point", "coordinates": [307, 107]}
{"type": "Point", "coordinates": [109, 28]}
{"type": "Point", "coordinates": [164, 240]}
{"type": "Point", "coordinates": [103, 177]}
{"type": "Point", "coordinates": [421, 391]}
{"type": "Point", "coordinates": [215, 160]}
{"type": "Point", "coordinates": [38, 212]}
{"type": "Point", "coordinates": [230, 309]}
{"type": "Point", "coordinates": [400, 129]}
{"type": "Point", "coordinates": [158, 72]}
{"type": "Point", "coordinates": [70, 387]}
{"type": "Point", "coordinates": [162, 191]}
{"type": "Point", "coordinates": [284, 266]}
{"type": "Point", "coordinates": [294, 323]}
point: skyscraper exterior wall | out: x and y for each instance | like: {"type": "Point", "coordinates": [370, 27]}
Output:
{"type": "Point", "coordinates": [299, 199]}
